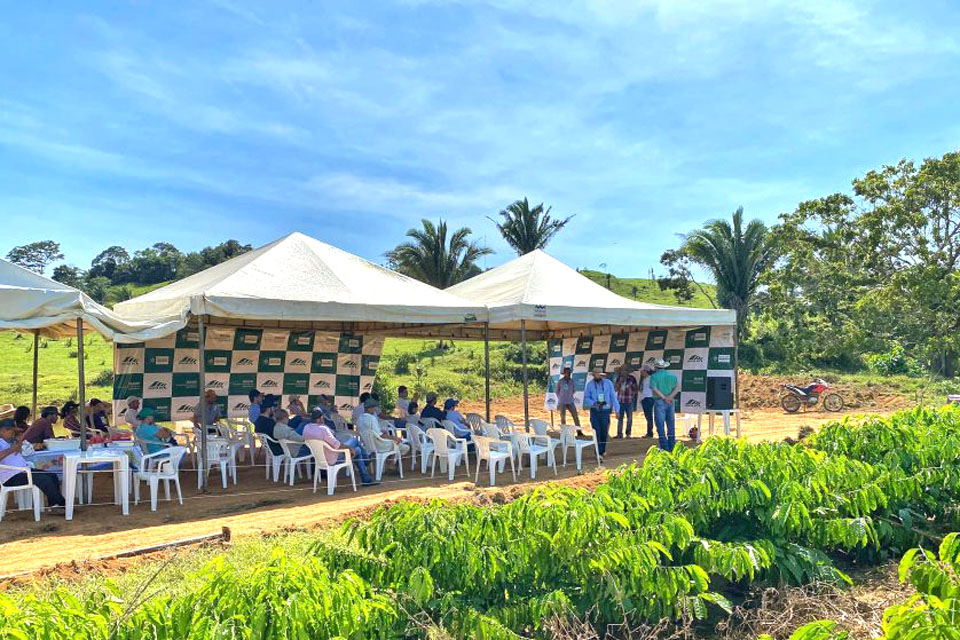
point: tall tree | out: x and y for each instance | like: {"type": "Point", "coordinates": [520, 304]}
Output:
{"type": "Point", "coordinates": [69, 275]}
{"type": "Point", "coordinates": [735, 256]}
{"type": "Point", "coordinates": [36, 255]}
{"type": "Point", "coordinates": [109, 263]}
{"type": "Point", "coordinates": [437, 257]}
{"type": "Point", "coordinates": [527, 229]}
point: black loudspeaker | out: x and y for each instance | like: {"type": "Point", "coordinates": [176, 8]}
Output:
{"type": "Point", "coordinates": [719, 393]}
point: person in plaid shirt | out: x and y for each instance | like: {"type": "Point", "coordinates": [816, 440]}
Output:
{"type": "Point", "coordinates": [627, 389]}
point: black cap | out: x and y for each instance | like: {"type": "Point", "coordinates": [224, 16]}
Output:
{"type": "Point", "coordinates": [269, 401]}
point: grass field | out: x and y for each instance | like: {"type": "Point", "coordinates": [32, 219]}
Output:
{"type": "Point", "coordinates": [648, 290]}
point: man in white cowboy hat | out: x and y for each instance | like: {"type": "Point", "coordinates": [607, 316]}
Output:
{"type": "Point", "coordinates": [600, 398]}
{"type": "Point", "coordinates": [665, 387]}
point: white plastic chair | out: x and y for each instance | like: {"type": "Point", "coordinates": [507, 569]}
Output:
{"type": "Point", "coordinates": [34, 495]}
{"type": "Point", "coordinates": [569, 439]}
{"type": "Point", "coordinates": [242, 431]}
{"type": "Point", "coordinates": [319, 448]}
{"type": "Point", "coordinates": [535, 446]}
{"type": "Point", "coordinates": [449, 450]}
{"type": "Point", "coordinates": [291, 450]}
{"type": "Point", "coordinates": [504, 423]}
{"type": "Point", "coordinates": [154, 467]}
{"type": "Point", "coordinates": [274, 461]}
{"type": "Point", "coordinates": [219, 453]}
{"type": "Point", "coordinates": [495, 452]}
{"type": "Point", "coordinates": [430, 423]}
{"type": "Point", "coordinates": [377, 446]}
{"type": "Point", "coordinates": [474, 420]}
{"type": "Point", "coordinates": [420, 445]}
{"type": "Point", "coordinates": [387, 426]}
{"type": "Point", "coordinates": [493, 432]}
{"type": "Point", "coordinates": [540, 428]}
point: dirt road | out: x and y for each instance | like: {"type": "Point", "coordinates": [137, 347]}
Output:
{"type": "Point", "coordinates": [256, 506]}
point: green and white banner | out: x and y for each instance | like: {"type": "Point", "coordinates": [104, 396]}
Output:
{"type": "Point", "coordinates": [166, 372]}
{"type": "Point", "coordinates": [693, 355]}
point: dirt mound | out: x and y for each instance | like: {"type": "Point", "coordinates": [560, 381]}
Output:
{"type": "Point", "coordinates": [763, 392]}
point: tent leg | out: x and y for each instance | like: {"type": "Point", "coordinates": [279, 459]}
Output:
{"type": "Point", "coordinates": [36, 366]}
{"type": "Point", "coordinates": [202, 406]}
{"type": "Point", "coordinates": [526, 395]}
{"type": "Point", "coordinates": [486, 366]}
{"type": "Point", "coordinates": [82, 391]}
{"type": "Point", "coordinates": [736, 367]}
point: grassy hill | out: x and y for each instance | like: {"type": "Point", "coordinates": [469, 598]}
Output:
{"type": "Point", "coordinates": [648, 290]}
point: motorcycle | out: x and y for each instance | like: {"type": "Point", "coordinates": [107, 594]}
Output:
{"type": "Point", "coordinates": [793, 397]}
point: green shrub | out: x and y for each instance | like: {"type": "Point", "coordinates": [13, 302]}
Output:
{"type": "Point", "coordinates": [401, 365]}
{"type": "Point", "coordinates": [892, 362]}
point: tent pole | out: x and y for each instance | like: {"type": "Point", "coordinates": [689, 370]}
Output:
{"type": "Point", "coordinates": [36, 363]}
{"type": "Point", "coordinates": [736, 367]}
{"type": "Point", "coordinates": [82, 391]}
{"type": "Point", "coordinates": [526, 399]}
{"type": "Point", "coordinates": [202, 406]}
{"type": "Point", "coordinates": [486, 366]}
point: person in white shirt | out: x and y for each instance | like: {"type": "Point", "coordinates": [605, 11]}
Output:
{"type": "Point", "coordinates": [646, 397]}
{"type": "Point", "coordinates": [131, 415]}
{"type": "Point", "coordinates": [11, 456]}
{"type": "Point", "coordinates": [369, 429]}
{"type": "Point", "coordinates": [403, 402]}
{"type": "Point", "coordinates": [359, 409]}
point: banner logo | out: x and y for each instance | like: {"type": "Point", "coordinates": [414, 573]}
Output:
{"type": "Point", "coordinates": [322, 384]}
{"type": "Point", "coordinates": [215, 384]}
{"type": "Point", "coordinates": [243, 362]}
{"type": "Point", "coordinates": [615, 362]}
{"type": "Point", "coordinates": [269, 384]}
{"type": "Point", "coordinates": [346, 406]}
{"type": "Point", "coordinates": [367, 386]}
{"type": "Point", "coordinates": [241, 406]}
{"type": "Point", "coordinates": [130, 360]}
{"type": "Point", "coordinates": [157, 385]}
{"type": "Point", "coordinates": [692, 403]}
{"type": "Point", "coordinates": [350, 364]}
{"type": "Point", "coordinates": [185, 408]}
{"type": "Point", "coordinates": [298, 362]}
{"type": "Point", "coordinates": [189, 360]}
{"type": "Point", "coordinates": [695, 358]}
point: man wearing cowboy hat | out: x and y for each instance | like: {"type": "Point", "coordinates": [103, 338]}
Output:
{"type": "Point", "coordinates": [600, 398]}
{"type": "Point", "coordinates": [646, 397]}
{"type": "Point", "coordinates": [665, 387]}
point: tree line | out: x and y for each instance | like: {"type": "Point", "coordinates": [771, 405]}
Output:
{"type": "Point", "coordinates": [865, 279]}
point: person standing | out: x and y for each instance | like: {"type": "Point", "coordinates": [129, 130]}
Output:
{"type": "Point", "coordinates": [253, 412]}
{"type": "Point", "coordinates": [600, 398]}
{"type": "Point", "coordinates": [646, 397]}
{"type": "Point", "coordinates": [665, 387]}
{"type": "Point", "coordinates": [566, 398]}
{"type": "Point", "coordinates": [627, 396]}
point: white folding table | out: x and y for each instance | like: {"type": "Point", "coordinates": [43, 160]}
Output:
{"type": "Point", "coordinates": [73, 460]}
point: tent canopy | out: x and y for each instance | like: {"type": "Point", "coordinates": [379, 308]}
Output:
{"type": "Point", "coordinates": [33, 302]}
{"type": "Point", "coordinates": [556, 300]}
{"type": "Point", "coordinates": [299, 281]}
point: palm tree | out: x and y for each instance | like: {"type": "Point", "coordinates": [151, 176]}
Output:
{"type": "Point", "coordinates": [527, 229]}
{"type": "Point", "coordinates": [430, 257]}
{"type": "Point", "coordinates": [735, 256]}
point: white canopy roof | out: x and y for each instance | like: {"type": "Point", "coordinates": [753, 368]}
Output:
{"type": "Point", "coordinates": [299, 279]}
{"type": "Point", "coordinates": [553, 297]}
{"type": "Point", "coordinates": [29, 301]}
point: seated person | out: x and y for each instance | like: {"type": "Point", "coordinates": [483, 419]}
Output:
{"type": "Point", "coordinates": [21, 419]}
{"type": "Point", "coordinates": [283, 431]}
{"type": "Point", "coordinates": [130, 416]}
{"type": "Point", "coordinates": [431, 410]}
{"type": "Point", "coordinates": [156, 437]}
{"type": "Point", "coordinates": [295, 407]}
{"type": "Point", "coordinates": [403, 402]}
{"type": "Point", "coordinates": [412, 411]}
{"type": "Point", "coordinates": [10, 455]}
{"type": "Point", "coordinates": [42, 427]}
{"type": "Point", "coordinates": [213, 415]}
{"type": "Point", "coordinates": [317, 430]}
{"type": "Point", "coordinates": [256, 400]}
{"type": "Point", "coordinates": [369, 429]}
{"type": "Point", "coordinates": [96, 416]}
{"type": "Point", "coordinates": [359, 409]}
{"type": "Point", "coordinates": [70, 412]}
{"type": "Point", "coordinates": [462, 429]}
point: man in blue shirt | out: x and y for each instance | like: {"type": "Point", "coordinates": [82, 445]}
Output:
{"type": "Point", "coordinates": [601, 399]}
{"type": "Point", "coordinates": [255, 399]}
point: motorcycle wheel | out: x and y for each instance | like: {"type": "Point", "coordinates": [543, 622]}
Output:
{"type": "Point", "coordinates": [790, 403]}
{"type": "Point", "coordinates": [833, 402]}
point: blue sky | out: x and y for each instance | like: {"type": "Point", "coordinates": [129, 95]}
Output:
{"type": "Point", "coordinates": [134, 122]}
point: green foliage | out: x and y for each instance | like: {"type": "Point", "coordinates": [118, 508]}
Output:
{"type": "Point", "coordinates": [36, 255]}
{"type": "Point", "coordinates": [432, 257]}
{"type": "Point", "coordinates": [527, 228]}
{"type": "Point", "coordinates": [892, 362]}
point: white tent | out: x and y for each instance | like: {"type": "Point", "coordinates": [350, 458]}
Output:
{"type": "Point", "coordinates": [31, 302]}
{"type": "Point", "coordinates": [544, 298]}
{"type": "Point", "coordinates": [298, 279]}
{"type": "Point", "coordinates": [552, 299]}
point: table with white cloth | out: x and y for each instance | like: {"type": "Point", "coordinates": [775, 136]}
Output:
{"type": "Point", "coordinates": [116, 457]}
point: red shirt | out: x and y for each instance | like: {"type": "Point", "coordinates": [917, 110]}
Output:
{"type": "Point", "coordinates": [40, 430]}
